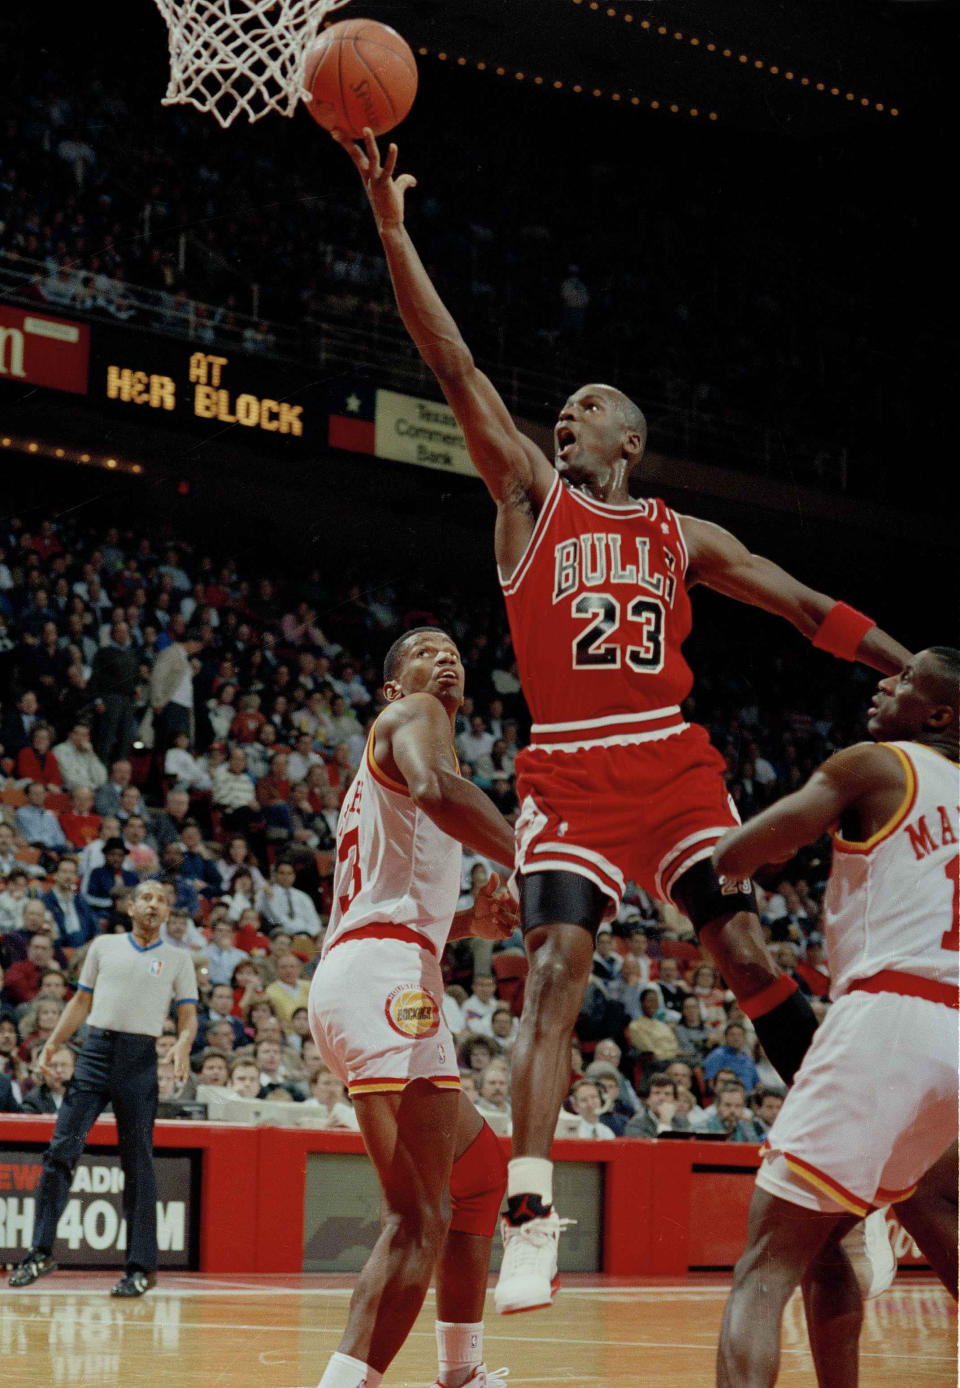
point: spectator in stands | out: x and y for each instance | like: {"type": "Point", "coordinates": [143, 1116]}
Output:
{"type": "Point", "coordinates": [141, 858]}
{"type": "Point", "coordinates": [198, 862]}
{"type": "Point", "coordinates": [78, 762]}
{"type": "Point", "coordinates": [188, 771]}
{"type": "Point", "coordinates": [37, 1023]}
{"type": "Point", "coordinates": [222, 953]}
{"type": "Point", "coordinates": [112, 689]}
{"type": "Point", "coordinates": [328, 1094]}
{"type": "Point", "coordinates": [80, 824]}
{"type": "Point", "coordinates": [614, 1112]}
{"type": "Point", "coordinates": [108, 883]}
{"type": "Point", "coordinates": [13, 900]}
{"type": "Point", "coordinates": [672, 988]}
{"type": "Point", "coordinates": [213, 1068]}
{"type": "Point", "coordinates": [504, 1027]}
{"type": "Point", "coordinates": [40, 826]}
{"type": "Point", "coordinates": [703, 984]}
{"type": "Point", "coordinates": [245, 1077]}
{"type": "Point", "coordinates": [289, 990]}
{"type": "Point", "coordinates": [108, 795]}
{"type": "Point", "coordinates": [22, 979]}
{"type": "Point", "coordinates": [627, 987]}
{"type": "Point", "coordinates": [288, 908]}
{"type": "Point", "coordinates": [234, 793]}
{"type": "Point", "coordinates": [651, 1036]}
{"type": "Point", "coordinates": [812, 973]}
{"type": "Point", "coordinates": [693, 1038]}
{"type": "Point", "coordinates": [12, 1068]}
{"type": "Point", "coordinates": [9, 862]}
{"type": "Point", "coordinates": [607, 962]}
{"type": "Point", "coordinates": [180, 931]}
{"type": "Point", "coordinates": [495, 1089]}
{"type": "Point", "coordinates": [765, 1103]}
{"type": "Point", "coordinates": [36, 761]}
{"type": "Point", "coordinates": [171, 688]}
{"type": "Point", "coordinates": [48, 1096]}
{"type": "Point", "coordinates": [72, 915]}
{"type": "Point", "coordinates": [733, 1055]}
{"type": "Point", "coordinates": [475, 1052]}
{"type": "Point", "coordinates": [729, 1111]}
{"type": "Point", "coordinates": [480, 1006]}
{"type": "Point", "coordinates": [19, 724]}
{"type": "Point", "coordinates": [168, 826]}
{"type": "Point", "coordinates": [659, 1111]}
{"type": "Point", "coordinates": [220, 1009]}
{"type": "Point", "coordinates": [587, 1099]}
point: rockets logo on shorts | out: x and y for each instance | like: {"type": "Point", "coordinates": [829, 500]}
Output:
{"type": "Point", "coordinates": [412, 1012]}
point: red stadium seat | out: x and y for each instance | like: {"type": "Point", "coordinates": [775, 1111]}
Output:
{"type": "Point", "coordinates": [510, 970]}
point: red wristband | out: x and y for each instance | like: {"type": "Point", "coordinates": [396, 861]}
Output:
{"type": "Point", "coordinates": [841, 631]}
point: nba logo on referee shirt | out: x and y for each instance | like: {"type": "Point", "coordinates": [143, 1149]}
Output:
{"type": "Point", "coordinates": [155, 966]}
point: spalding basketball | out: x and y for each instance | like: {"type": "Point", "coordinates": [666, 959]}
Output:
{"type": "Point", "coordinates": [359, 73]}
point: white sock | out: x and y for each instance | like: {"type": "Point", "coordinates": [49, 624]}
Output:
{"type": "Point", "coordinates": [531, 1176]}
{"type": "Point", "coordinates": [459, 1351]}
{"type": "Point", "coordinates": [345, 1372]}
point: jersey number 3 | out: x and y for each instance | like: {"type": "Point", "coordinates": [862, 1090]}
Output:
{"type": "Point", "coordinates": [350, 843]}
{"type": "Point", "coordinates": [951, 938]}
{"type": "Point", "coordinates": [595, 650]}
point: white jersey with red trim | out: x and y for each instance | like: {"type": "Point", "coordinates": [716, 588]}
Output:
{"type": "Point", "coordinates": [893, 901]}
{"type": "Point", "coordinates": [598, 611]}
{"type": "Point", "coordinates": [394, 866]}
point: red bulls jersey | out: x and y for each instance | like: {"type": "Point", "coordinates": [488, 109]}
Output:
{"type": "Point", "coordinates": [599, 610]}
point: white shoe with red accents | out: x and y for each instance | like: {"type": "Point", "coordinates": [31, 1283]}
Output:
{"type": "Point", "coordinates": [870, 1251]}
{"type": "Point", "coordinates": [528, 1274]}
{"type": "Point", "coordinates": [481, 1378]}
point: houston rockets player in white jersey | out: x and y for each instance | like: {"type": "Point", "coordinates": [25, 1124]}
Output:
{"type": "Point", "coordinates": [615, 784]}
{"type": "Point", "coordinates": [874, 1106]}
{"type": "Point", "coordinates": [375, 1014]}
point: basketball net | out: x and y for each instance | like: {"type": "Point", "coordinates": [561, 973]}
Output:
{"type": "Point", "coordinates": [233, 56]}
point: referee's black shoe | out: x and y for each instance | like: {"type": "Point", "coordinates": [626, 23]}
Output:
{"type": "Point", "coordinates": [134, 1283]}
{"type": "Point", "coordinates": [34, 1265]}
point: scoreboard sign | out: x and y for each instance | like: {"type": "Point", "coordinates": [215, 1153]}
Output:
{"type": "Point", "coordinates": [203, 386]}
{"type": "Point", "coordinates": [92, 1231]}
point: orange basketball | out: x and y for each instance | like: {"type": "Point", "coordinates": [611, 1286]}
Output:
{"type": "Point", "coordinates": [359, 73]}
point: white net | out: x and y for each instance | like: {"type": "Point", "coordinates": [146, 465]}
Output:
{"type": "Point", "coordinates": [229, 57]}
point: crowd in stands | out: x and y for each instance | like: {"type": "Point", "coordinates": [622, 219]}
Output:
{"type": "Point", "coordinates": [170, 713]}
{"type": "Point", "coordinates": [127, 217]}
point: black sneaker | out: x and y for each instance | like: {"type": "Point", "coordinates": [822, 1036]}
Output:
{"type": "Point", "coordinates": [134, 1283]}
{"type": "Point", "coordinates": [34, 1265]}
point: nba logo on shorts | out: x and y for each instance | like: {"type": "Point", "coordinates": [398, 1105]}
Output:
{"type": "Point", "coordinates": [155, 966]}
{"type": "Point", "coordinates": [412, 1012]}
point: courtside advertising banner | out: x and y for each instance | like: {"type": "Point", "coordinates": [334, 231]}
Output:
{"type": "Point", "coordinates": [41, 350]}
{"type": "Point", "coordinates": [92, 1231]}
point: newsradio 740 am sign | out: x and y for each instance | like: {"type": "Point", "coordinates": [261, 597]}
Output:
{"type": "Point", "coordinates": [92, 1231]}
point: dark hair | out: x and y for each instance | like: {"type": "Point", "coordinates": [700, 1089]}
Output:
{"type": "Point", "coordinates": [112, 845]}
{"type": "Point", "coordinates": [657, 1082]}
{"type": "Point", "coordinates": [948, 658]}
{"type": "Point", "coordinates": [392, 660]}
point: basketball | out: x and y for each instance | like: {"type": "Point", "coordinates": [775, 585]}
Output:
{"type": "Point", "coordinates": [359, 73]}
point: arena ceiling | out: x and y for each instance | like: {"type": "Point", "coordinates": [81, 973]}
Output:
{"type": "Point", "coordinates": [756, 63]}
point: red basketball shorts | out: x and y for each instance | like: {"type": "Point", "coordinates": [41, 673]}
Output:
{"type": "Point", "coordinates": [645, 812]}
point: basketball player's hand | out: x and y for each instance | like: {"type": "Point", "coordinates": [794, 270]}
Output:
{"type": "Point", "coordinates": [180, 1056]}
{"type": "Point", "coordinates": [386, 193]}
{"type": "Point", "coordinates": [42, 1063]}
{"type": "Point", "coordinates": [495, 914]}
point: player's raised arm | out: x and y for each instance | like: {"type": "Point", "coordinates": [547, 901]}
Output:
{"type": "Point", "coordinates": [511, 464]}
{"type": "Point", "coordinates": [842, 783]}
{"type": "Point", "coordinates": [721, 562]}
{"type": "Point", "coordinates": [418, 735]}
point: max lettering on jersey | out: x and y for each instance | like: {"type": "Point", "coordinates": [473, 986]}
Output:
{"type": "Point", "coordinates": [927, 838]}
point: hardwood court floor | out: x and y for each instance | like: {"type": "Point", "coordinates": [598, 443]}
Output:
{"type": "Point", "coordinates": [276, 1332]}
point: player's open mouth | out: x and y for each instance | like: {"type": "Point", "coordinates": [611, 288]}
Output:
{"type": "Point", "coordinates": [566, 438]}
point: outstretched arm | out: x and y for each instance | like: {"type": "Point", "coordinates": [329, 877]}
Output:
{"type": "Point", "coordinates": [417, 730]}
{"type": "Point", "coordinates": [511, 464]}
{"type": "Point", "coordinates": [848, 780]}
{"type": "Point", "coordinates": [720, 561]}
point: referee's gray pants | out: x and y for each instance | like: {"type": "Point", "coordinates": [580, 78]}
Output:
{"type": "Point", "coordinates": [120, 1068]}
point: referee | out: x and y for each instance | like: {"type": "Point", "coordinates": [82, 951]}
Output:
{"type": "Point", "coordinates": [126, 986]}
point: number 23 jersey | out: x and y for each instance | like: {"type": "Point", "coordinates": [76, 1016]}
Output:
{"type": "Point", "coordinates": [394, 865]}
{"type": "Point", "coordinates": [599, 611]}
